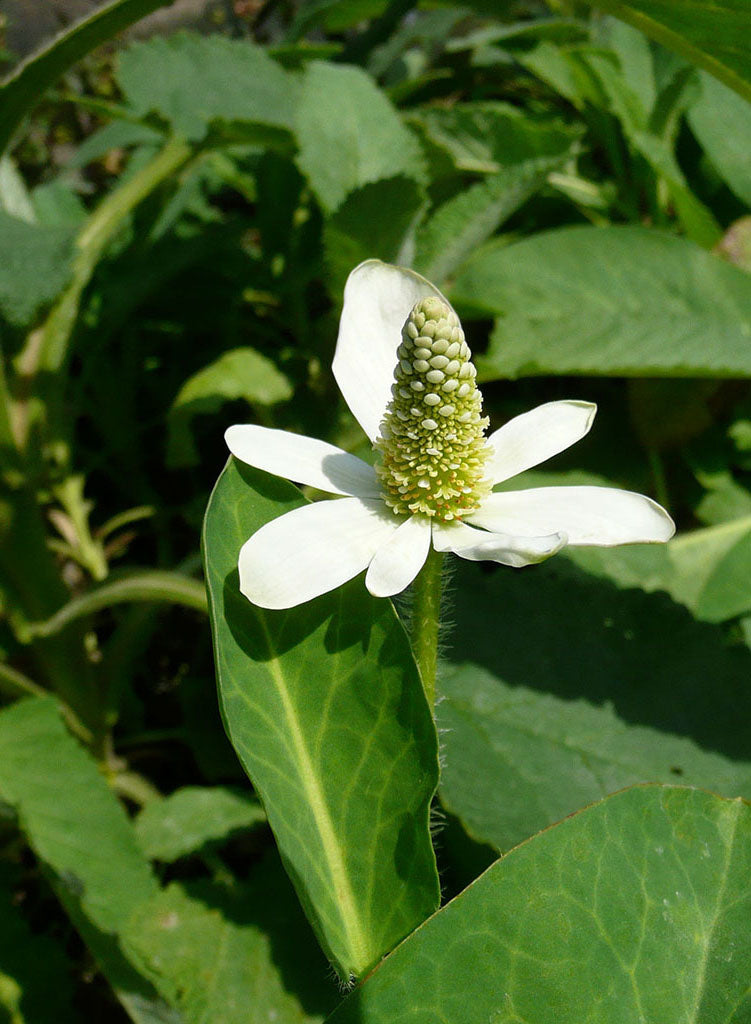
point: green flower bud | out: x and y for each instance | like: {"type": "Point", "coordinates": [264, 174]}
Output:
{"type": "Point", "coordinates": [432, 444]}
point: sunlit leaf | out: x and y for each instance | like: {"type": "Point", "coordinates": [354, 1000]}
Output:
{"type": "Point", "coordinates": [711, 33]}
{"type": "Point", "coordinates": [706, 570]}
{"type": "Point", "coordinates": [721, 120]}
{"type": "Point", "coordinates": [193, 816]}
{"type": "Point", "coordinates": [484, 137]}
{"type": "Point", "coordinates": [616, 300]}
{"type": "Point", "coordinates": [349, 134]}
{"type": "Point", "coordinates": [70, 816]}
{"type": "Point", "coordinates": [467, 220]}
{"type": "Point", "coordinates": [636, 909]}
{"type": "Point", "coordinates": [35, 265]}
{"type": "Point", "coordinates": [240, 373]}
{"type": "Point", "coordinates": [325, 709]}
{"type": "Point", "coordinates": [192, 81]}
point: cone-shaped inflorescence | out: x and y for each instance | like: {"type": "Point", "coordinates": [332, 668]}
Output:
{"type": "Point", "coordinates": [432, 442]}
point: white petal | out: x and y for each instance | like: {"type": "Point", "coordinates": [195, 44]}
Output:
{"type": "Point", "coordinates": [480, 546]}
{"type": "Point", "coordinates": [378, 298]}
{"type": "Point", "coordinates": [587, 515]}
{"type": "Point", "coordinates": [312, 550]}
{"type": "Point", "coordinates": [537, 435]}
{"type": "Point", "coordinates": [302, 459]}
{"type": "Point", "coordinates": [396, 564]}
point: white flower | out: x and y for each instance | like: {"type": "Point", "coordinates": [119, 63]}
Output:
{"type": "Point", "coordinates": [317, 547]}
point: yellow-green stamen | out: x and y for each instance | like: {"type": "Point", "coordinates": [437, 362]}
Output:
{"type": "Point", "coordinates": [432, 442]}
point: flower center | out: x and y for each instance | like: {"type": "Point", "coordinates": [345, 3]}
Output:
{"type": "Point", "coordinates": [432, 442]}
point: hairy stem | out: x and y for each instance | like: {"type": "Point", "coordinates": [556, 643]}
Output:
{"type": "Point", "coordinates": [426, 617]}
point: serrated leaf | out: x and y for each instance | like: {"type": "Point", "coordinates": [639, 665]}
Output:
{"type": "Point", "coordinates": [35, 265]}
{"type": "Point", "coordinates": [350, 135]}
{"type": "Point", "coordinates": [467, 220]}
{"type": "Point", "coordinates": [586, 688]}
{"type": "Point", "coordinates": [624, 301]}
{"type": "Point", "coordinates": [358, 230]}
{"type": "Point", "coordinates": [721, 121]}
{"type": "Point", "coordinates": [191, 817]}
{"type": "Point", "coordinates": [484, 137]}
{"type": "Point", "coordinates": [69, 815]}
{"type": "Point", "coordinates": [242, 955]}
{"type": "Point", "coordinates": [29, 81]}
{"type": "Point", "coordinates": [636, 909]}
{"type": "Point", "coordinates": [325, 709]}
{"type": "Point", "coordinates": [711, 33]}
{"type": "Point", "coordinates": [193, 81]}
{"type": "Point", "coordinates": [241, 373]}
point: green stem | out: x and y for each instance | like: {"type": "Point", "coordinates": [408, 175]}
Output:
{"type": "Point", "coordinates": [15, 684]}
{"type": "Point", "coordinates": [134, 787]}
{"type": "Point", "coordinates": [426, 618]}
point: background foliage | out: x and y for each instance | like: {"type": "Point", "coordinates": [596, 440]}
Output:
{"type": "Point", "coordinates": [177, 219]}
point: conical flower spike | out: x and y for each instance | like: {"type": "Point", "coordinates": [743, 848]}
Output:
{"type": "Point", "coordinates": [432, 439]}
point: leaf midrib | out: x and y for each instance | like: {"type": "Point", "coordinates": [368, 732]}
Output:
{"type": "Point", "coordinates": [347, 905]}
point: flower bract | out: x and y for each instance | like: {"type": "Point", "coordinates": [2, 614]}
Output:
{"type": "Point", "coordinates": [405, 370]}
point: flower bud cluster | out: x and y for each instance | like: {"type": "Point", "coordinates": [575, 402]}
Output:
{"type": "Point", "coordinates": [432, 442]}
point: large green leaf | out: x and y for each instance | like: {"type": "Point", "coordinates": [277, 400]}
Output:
{"type": "Point", "coordinates": [193, 81]}
{"type": "Point", "coordinates": [70, 816]}
{"type": "Point", "coordinates": [358, 230]}
{"type": "Point", "coordinates": [484, 137]}
{"type": "Point", "coordinates": [562, 688]}
{"type": "Point", "coordinates": [711, 33]}
{"type": "Point", "coordinates": [325, 709]}
{"type": "Point", "coordinates": [193, 816]}
{"type": "Point", "coordinates": [722, 123]}
{"type": "Point", "coordinates": [616, 300]}
{"type": "Point", "coordinates": [468, 219]}
{"type": "Point", "coordinates": [28, 82]}
{"type": "Point", "coordinates": [35, 265]}
{"type": "Point", "coordinates": [637, 909]}
{"type": "Point", "coordinates": [350, 135]}
{"type": "Point", "coordinates": [237, 955]}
